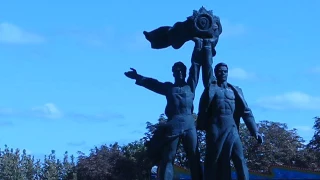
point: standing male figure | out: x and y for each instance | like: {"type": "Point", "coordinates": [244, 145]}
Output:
{"type": "Point", "coordinates": [179, 110]}
{"type": "Point", "coordinates": [220, 109]}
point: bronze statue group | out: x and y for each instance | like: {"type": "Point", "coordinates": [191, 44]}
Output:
{"type": "Point", "coordinates": [220, 108]}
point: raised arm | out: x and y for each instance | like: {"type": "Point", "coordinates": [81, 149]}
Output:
{"type": "Point", "coordinates": [149, 83]}
{"type": "Point", "coordinates": [194, 70]}
{"type": "Point", "coordinates": [208, 53]}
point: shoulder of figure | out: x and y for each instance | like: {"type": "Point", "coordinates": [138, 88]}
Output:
{"type": "Point", "coordinates": [236, 87]}
{"type": "Point", "coordinates": [213, 84]}
{"type": "Point", "coordinates": [239, 90]}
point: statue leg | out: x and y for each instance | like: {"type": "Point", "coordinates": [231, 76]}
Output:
{"type": "Point", "coordinates": [168, 156]}
{"type": "Point", "coordinates": [239, 160]}
{"type": "Point", "coordinates": [210, 165]}
{"type": "Point", "coordinates": [190, 145]}
{"type": "Point", "coordinates": [224, 168]}
{"type": "Point", "coordinates": [217, 168]}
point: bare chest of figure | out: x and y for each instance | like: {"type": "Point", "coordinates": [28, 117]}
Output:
{"type": "Point", "coordinates": [223, 102]}
{"type": "Point", "coordinates": [179, 101]}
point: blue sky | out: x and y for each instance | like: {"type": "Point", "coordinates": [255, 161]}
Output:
{"type": "Point", "coordinates": [62, 65]}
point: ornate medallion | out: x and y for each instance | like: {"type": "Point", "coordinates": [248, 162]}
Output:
{"type": "Point", "coordinates": [205, 24]}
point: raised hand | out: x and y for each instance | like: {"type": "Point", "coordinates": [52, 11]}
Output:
{"type": "Point", "coordinates": [131, 74]}
{"type": "Point", "coordinates": [198, 43]}
{"type": "Point", "coordinates": [205, 43]}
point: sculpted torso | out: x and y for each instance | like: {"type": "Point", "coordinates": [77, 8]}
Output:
{"type": "Point", "coordinates": [222, 106]}
{"type": "Point", "coordinates": [179, 101]}
{"type": "Point", "coordinates": [223, 102]}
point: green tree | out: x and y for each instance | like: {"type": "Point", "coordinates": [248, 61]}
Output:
{"type": "Point", "coordinates": [135, 152]}
{"type": "Point", "coordinates": [68, 169]}
{"type": "Point", "coordinates": [50, 170]}
{"type": "Point", "coordinates": [151, 127]}
{"type": "Point", "coordinates": [27, 166]}
{"type": "Point", "coordinates": [9, 164]}
{"type": "Point", "coordinates": [313, 147]}
{"type": "Point", "coordinates": [281, 147]}
{"type": "Point", "coordinates": [37, 169]}
{"type": "Point", "coordinates": [314, 144]}
{"type": "Point", "coordinates": [15, 165]}
{"type": "Point", "coordinates": [106, 162]}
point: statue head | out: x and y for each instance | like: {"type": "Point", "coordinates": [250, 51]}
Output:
{"type": "Point", "coordinates": [221, 72]}
{"type": "Point", "coordinates": [179, 71]}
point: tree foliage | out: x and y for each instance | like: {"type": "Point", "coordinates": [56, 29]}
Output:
{"type": "Point", "coordinates": [15, 165]}
{"type": "Point", "coordinates": [114, 162]}
{"type": "Point", "coordinates": [314, 144]}
{"type": "Point", "coordinates": [313, 147]}
{"type": "Point", "coordinates": [282, 146]}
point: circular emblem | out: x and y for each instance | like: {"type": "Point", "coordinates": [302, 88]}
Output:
{"type": "Point", "coordinates": [203, 22]}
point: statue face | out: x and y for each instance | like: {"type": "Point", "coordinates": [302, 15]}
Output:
{"type": "Point", "coordinates": [179, 73]}
{"type": "Point", "coordinates": [222, 73]}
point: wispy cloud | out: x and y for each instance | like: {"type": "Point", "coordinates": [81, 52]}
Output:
{"type": "Point", "coordinates": [241, 74]}
{"type": "Point", "coordinates": [48, 110]}
{"type": "Point", "coordinates": [304, 128]}
{"type": "Point", "coordinates": [5, 123]}
{"type": "Point", "coordinates": [230, 29]}
{"type": "Point", "coordinates": [94, 118]}
{"type": "Point", "coordinates": [137, 42]}
{"type": "Point", "coordinates": [315, 70]}
{"type": "Point", "coordinates": [104, 37]}
{"type": "Point", "coordinates": [122, 125]}
{"type": "Point", "coordinates": [12, 34]}
{"type": "Point", "coordinates": [290, 100]}
{"type": "Point", "coordinates": [137, 132]}
{"type": "Point", "coordinates": [51, 111]}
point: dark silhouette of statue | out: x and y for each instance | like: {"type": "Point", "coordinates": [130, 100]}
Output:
{"type": "Point", "coordinates": [202, 24]}
{"type": "Point", "coordinates": [179, 110]}
{"type": "Point", "coordinates": [163, 145]}
{"type": "Point", "coordinates": [220, 109]}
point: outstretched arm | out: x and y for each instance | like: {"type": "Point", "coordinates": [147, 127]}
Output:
{"type": "Point", "coordinates": [153, 84]}
{"type": "Point", "coordinates": [149, 83]}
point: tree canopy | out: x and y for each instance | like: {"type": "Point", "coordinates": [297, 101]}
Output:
{"type": "Point", "coordinates": [282, 146]}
